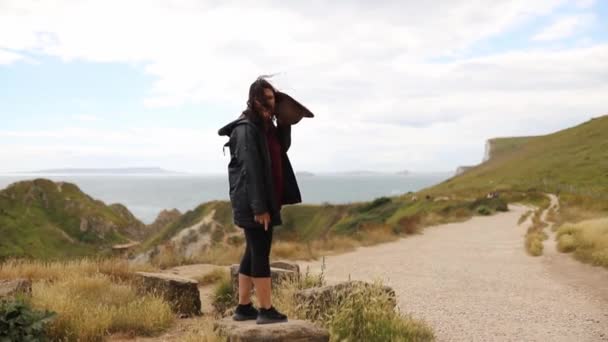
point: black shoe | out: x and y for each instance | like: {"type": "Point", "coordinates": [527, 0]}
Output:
{"type": "Point", "coordinates": [270, 315]}
{"type": "Point", "coordinates": [245, 312]}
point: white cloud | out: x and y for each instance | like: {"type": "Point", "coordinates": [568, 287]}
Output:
{"type": "Point", "coordinates": [565, 27]}
{"type": "Point", "coordinates": [85, 118]}
{"type": "Point", "coordinates": [368, 71]}
{"type": "Point", "coordinates": [8, 57]}
{"type": "Point", "coordinates": [585, 3]}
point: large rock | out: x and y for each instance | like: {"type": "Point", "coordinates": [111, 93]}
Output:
{"type": "Point", "coordinates": [279, 271]}
{"type": "Point", "coordinates": [13, 287]}
{"type": "Point", "coordinates": [249, 331]}
{"type": "Point", "coordinates": [182, 293]}
{"type": "Point", "coordinates": [286, 265]}
{"type": "Point", "coordinates": [314, 302]}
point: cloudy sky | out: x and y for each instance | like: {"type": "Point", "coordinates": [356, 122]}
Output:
{"type": "Point", "coordinates": [416, 85]}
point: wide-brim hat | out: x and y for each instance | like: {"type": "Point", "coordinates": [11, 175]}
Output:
{"type": "Point", "coordinates": [290, 111]}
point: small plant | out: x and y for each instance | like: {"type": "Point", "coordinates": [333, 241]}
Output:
{"type": "Point", "coordinates": [19, 322]}
{"type": "Point", "coordinates": [223, 296]}
{"type": "Point", "coordinates": [483, 210]}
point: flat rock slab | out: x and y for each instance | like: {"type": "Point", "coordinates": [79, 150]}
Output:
{"type": "Point", "coordinates": [10, 288]}
{"type": "Point", "coordinates": [182, 293]}
{"type": "Point", "coordinates": [249, 331]}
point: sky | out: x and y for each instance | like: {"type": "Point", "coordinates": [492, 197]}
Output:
{"type": "Point", "coordinates": [394, 85]}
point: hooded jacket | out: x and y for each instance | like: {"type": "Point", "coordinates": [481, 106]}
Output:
{"type": "Point", "coordinates": [250, 174]}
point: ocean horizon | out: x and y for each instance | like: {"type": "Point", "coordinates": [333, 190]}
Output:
{"type": "Point", "coordinates": [146, 195]}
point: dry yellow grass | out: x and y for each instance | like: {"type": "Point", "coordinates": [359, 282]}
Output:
{"type": "Point", "coordinates": [536, 235]}
{"type": "Point", "coordinates": [213, 277]}
{"type": "Point", "coordinates": [588, 240]}
{"type": "Point", "coordinates": [203, 332]}
{"type": "Point", "coordinates": [48, 270]}
{"type": "Point", "coordinates": [92, 306]}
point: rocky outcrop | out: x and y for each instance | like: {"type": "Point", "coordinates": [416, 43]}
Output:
{"type": "Point", "coordinates": [182, 293]}
{"type": "Point", "coordinates": [314, 302]}
{"type": "Point", "coordinates": [134, 228]}
{"type": "Point", "coordinates": [164, 218]}
{"type": "Point", "coordinates": [50, 208]}
{"type": "Point", "coordinates": [249, 331]}
{"type": "Point", "coordinates": [11, 288]}
{"type": "Point", "coordinates": [462, 169]}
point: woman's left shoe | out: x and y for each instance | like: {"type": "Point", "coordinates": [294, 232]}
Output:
{"type": "Point", "coordinates": [245, 312]}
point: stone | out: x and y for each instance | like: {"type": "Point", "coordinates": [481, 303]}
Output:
{"type": "Point", "coordinates": [286, 265]}
{"type": "Point", "coordinates": [314, 302]}
{"type": "Point", "coordinates": [277, 275]}
{"type": "Point", "coordinates": [182, 293]}
{"type": "Point", "coordinates": [10, 288]}
{"type": "Point", "coordinates": [249, 331]}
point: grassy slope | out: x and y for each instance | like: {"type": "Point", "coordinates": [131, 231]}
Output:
{"type": "Point", "coordinates": [41, 219]}
{"type": "Point", "coordinates": [573, 161]}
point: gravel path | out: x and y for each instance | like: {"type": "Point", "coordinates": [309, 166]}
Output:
{"type": "Point", "coordinates": [473, 281]}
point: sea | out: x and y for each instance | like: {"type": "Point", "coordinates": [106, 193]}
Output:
{"type": "Point", "coordinates": [145, 195]}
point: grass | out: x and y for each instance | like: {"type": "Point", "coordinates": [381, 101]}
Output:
{"type": "Point", "coordinates": [536, 234]}
{"type": "Point", "coordinates": [93, 297]}
{"type": "Point", "coordinates": [587, 240]}
{"type": "Point", "coordinates": [90, 307]}
{"type": "Point", "coordinates": [36, 270]}
{"type": "Point", "coordinates": [524, 217]}
{"type": "Point", "coordinates": [223, 296]}
{"type": "Point", "coordinates": [213, 277]}
{"type": "Point", "coordinates": [203, 332]}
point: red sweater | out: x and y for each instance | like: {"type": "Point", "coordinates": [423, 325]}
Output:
{"type": "Point", "coordinates": [274, 147]}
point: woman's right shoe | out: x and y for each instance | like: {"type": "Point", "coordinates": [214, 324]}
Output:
{"type": "Point", "coordinates": [270, 315]}
{"type": "Point", "coordinates": [245, 312]}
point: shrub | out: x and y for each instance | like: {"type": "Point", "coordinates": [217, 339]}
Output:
{"type": "Point", "coordinates": [587, 239]}
{"type": "Point", "coordinates": [378, 202]}
{"type": "Point", "coordinates": [20, 322]}
{"type": "Point", "coordinates": [483, 210]}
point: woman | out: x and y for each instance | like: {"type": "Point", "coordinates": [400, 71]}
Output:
{"type": "Point", "coordinates": [261, 181]}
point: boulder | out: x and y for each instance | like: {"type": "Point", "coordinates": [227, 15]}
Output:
{"type": "Point", "coordinates": [10, 288]}
{"type": "Point", "coordinates": [182, 293]}
{"type": "Point", "coordinates": [314, 302]}
{"type": "Point", "coordinates": [277, 274]}
{"type": "Point", "coordinates": [249, 331]}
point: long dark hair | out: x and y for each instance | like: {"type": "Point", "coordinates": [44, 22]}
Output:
{"type": "Point", "coordinates": [256, 92]}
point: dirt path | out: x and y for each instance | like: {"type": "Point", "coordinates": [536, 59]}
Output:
{"type": "Point", "coordinates": [473, 281]}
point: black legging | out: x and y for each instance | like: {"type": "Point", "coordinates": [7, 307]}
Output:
{"type": "Point", "coordinates": [256, 260]}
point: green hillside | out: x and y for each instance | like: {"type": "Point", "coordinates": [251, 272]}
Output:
{"type": "Point", "coordinates": [47, 220]}
{"type": "Point", "coordinates": [574, 161]}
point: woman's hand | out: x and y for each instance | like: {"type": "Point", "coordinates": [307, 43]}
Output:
{"type": "Point", "coordinates": [264, 219]}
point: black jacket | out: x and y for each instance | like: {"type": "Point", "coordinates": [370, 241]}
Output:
{"type": "Point", "coordinates": [250, 174]}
